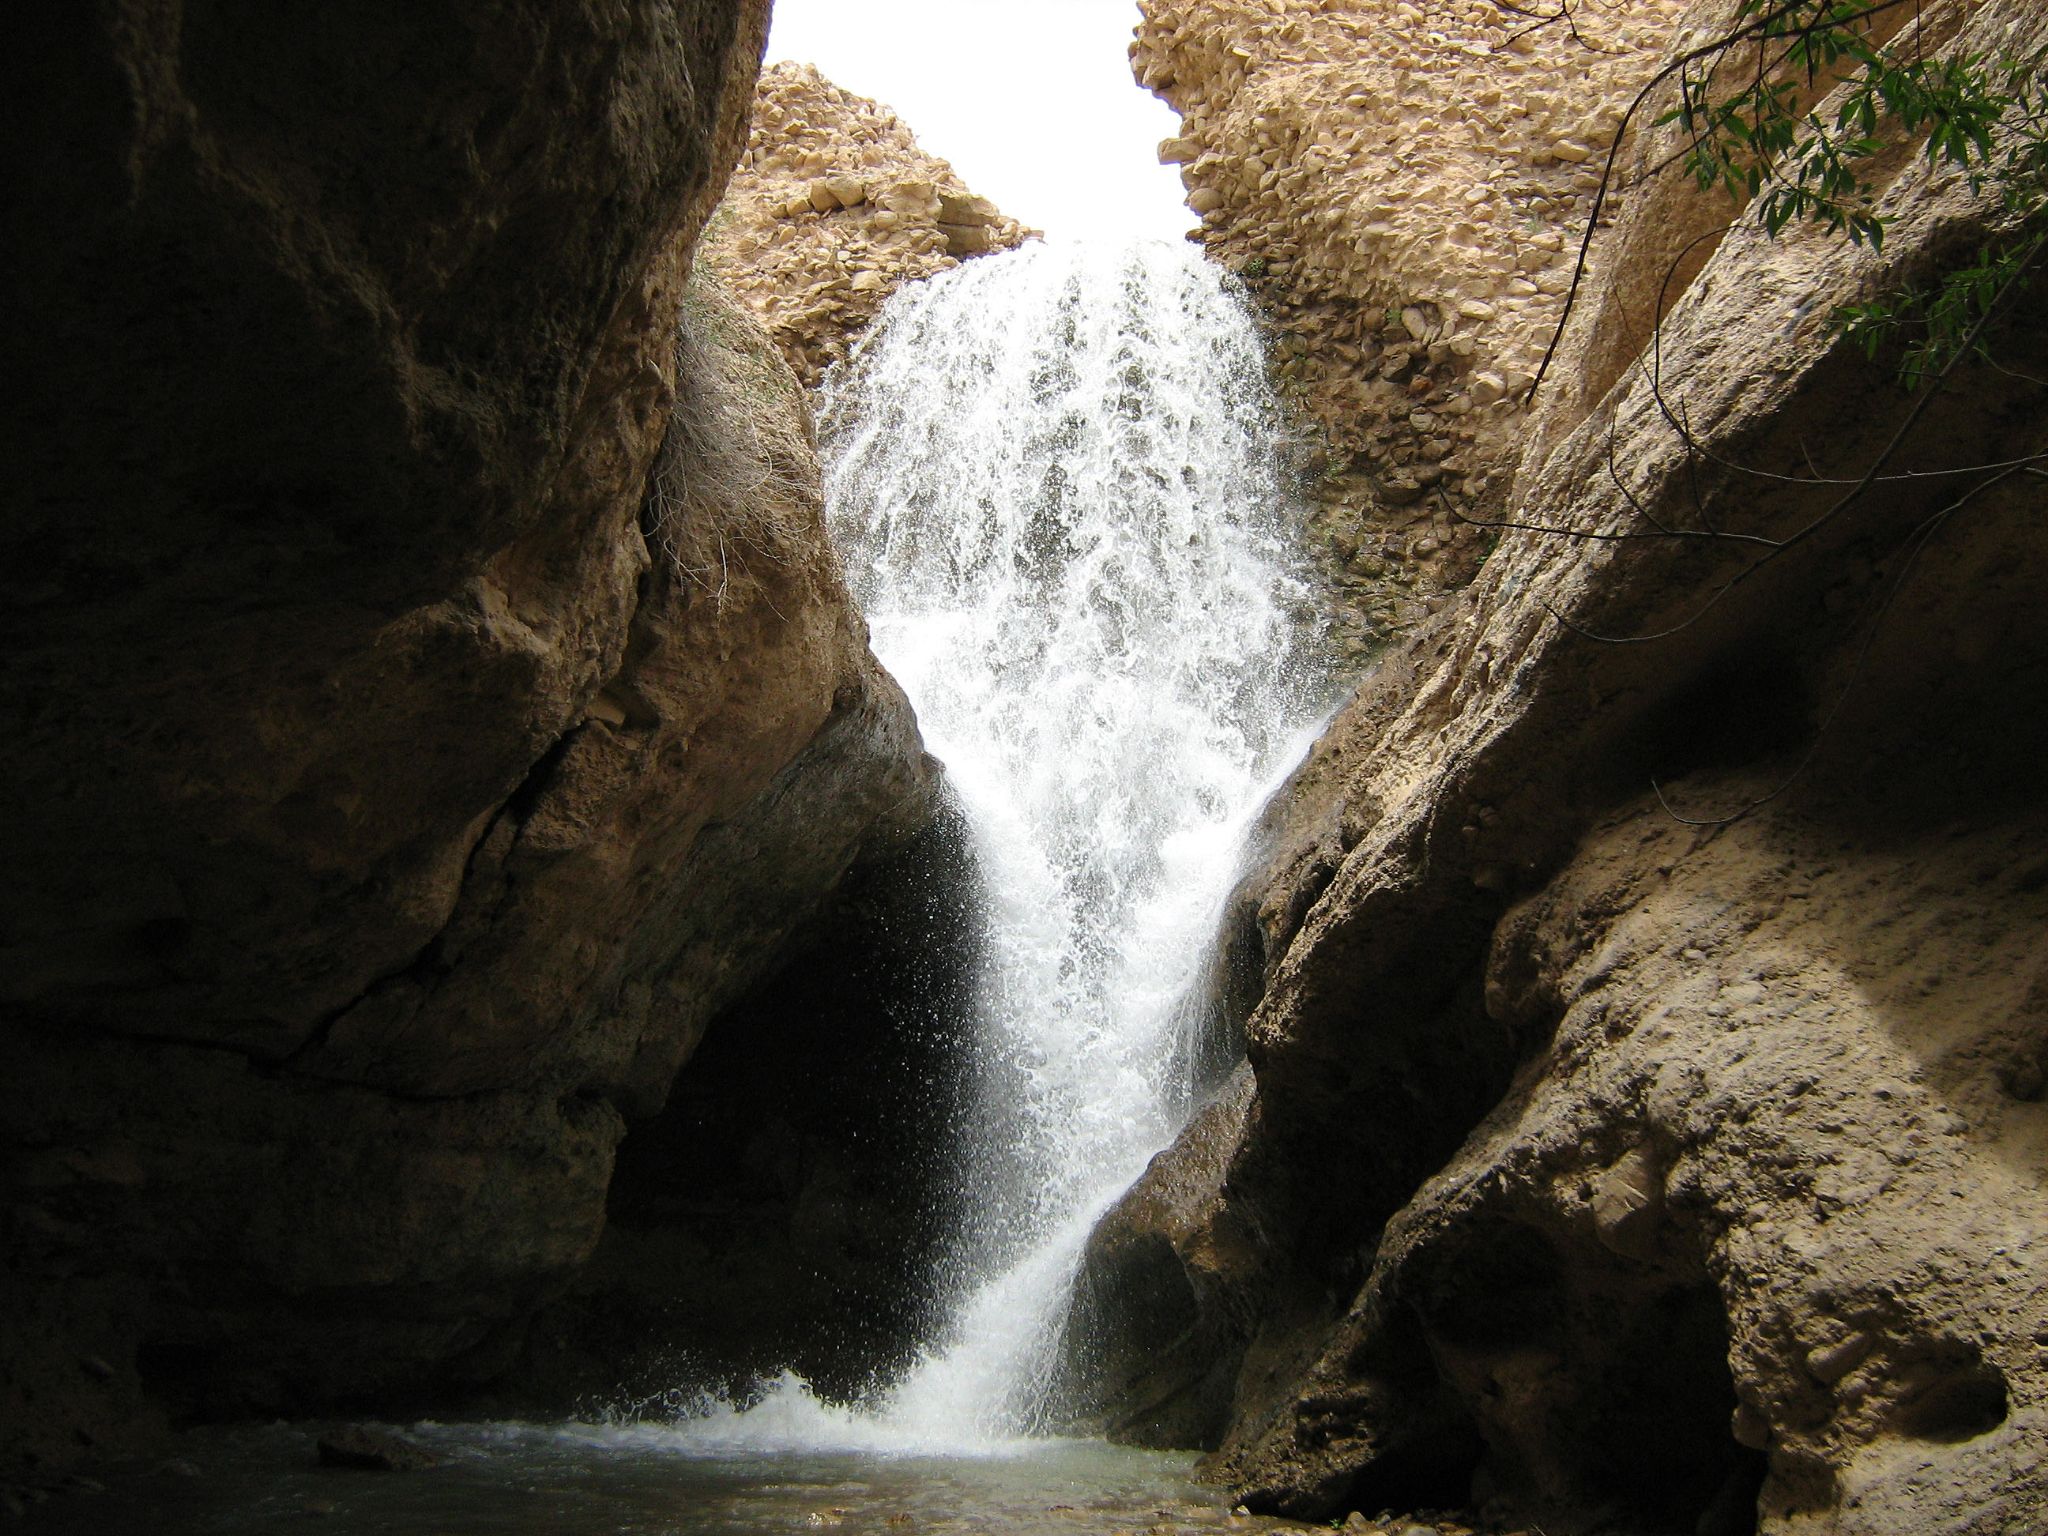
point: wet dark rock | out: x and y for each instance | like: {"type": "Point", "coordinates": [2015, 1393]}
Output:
{"type": "Point", "coordinates": [790, 1207]}
{"type": "Point", "coordinates": [1142, 1362]}
{"type": "Point", "coordinates": [364, 1449]}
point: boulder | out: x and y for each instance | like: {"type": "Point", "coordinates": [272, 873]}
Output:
{"type": "Point", "coordinates": [848, 191]}
{"type": "Point", "coordinates": [966, 208]}
{"type": "Point", "coordinates": [360, 1448]}
{"type": "Point", "coordinates": [967, 239]}
{"type": "Point", "coordinates": [1140, 1362]}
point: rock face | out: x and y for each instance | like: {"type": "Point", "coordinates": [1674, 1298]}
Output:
{"type": "Point", "coordinates": [1403, 188]}
{"type": "Point", "coordinates": [834, 207]}
{"type": "Point", "coordinates": [770, 1219]}
{"type": "Point", "coordinates": [1614, 1164]}
{"type": "Point", "coordinates": [429, 695]}
{"type": "Point", "coordinates": [1149, 1354]}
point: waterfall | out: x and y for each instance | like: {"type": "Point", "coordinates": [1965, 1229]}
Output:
{"type": "Point", "coordinates": [1053, 477]}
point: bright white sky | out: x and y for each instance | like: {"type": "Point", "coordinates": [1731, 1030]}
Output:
{"type": "Point", "coordinates": [1032, 101]}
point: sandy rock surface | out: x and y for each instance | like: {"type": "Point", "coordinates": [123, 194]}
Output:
{"type": "Point", "coordinates": [832, 208]}
{"type": "Point", "coordinates": [1614, 1171]}
{"type": "Point", "coordinates": [1403, 186]}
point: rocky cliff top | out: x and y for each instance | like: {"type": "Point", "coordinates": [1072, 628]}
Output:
{"type": "Point", "coordinates": [1400, 154]}
{"type": "Point", "coordinates": [1403, 187]}
{"type": "Point", "coordinates": [833, 207]}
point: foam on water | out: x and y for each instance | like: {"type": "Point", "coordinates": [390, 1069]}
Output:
{"type": "Point", "coordinates": [785, 1419]}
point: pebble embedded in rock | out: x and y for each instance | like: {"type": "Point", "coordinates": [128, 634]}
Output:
{"type": "Point", "coordinates": [832, 181]}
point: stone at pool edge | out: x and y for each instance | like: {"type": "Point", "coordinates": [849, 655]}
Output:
{"type": "Point", "coordinates": [370, 1450]}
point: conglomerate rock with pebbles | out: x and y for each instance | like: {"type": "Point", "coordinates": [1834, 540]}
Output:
{"type": "Point", "coordinates": [832, 209]}
{"type": "Point", "coordinates": [1403, 186]}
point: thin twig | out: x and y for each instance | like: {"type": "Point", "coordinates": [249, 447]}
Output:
{"type": "Point", "coordinates": [1842, 503]}
{"type": "Point", "coordinates": [1757, 29]}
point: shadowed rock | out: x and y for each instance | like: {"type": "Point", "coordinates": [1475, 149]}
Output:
{"type": "Point", "coordinates": [398, 787]}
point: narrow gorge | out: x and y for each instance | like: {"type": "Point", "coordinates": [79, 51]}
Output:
{"type": "Point", "coordinates": [707, 839]}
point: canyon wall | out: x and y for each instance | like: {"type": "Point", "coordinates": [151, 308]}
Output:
{"type": "Point", "coordinates": [1645, 1127]}
{"type": "Point", "coordinates": [429, 696]}
{"type": "Point", "coordinates": [833, 206]}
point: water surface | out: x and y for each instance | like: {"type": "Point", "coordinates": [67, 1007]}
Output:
{"type": "Point", "coordinates": [597, 1480]}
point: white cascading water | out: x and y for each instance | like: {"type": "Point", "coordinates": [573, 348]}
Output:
{"type": "Point", "coordinates": [1054, 478]}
